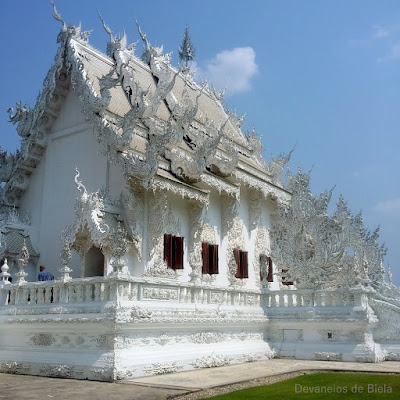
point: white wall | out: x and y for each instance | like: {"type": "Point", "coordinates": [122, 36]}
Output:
{"type": "Point", "coordinates": [32, 201]}
{"type": "Point", "coordinates": [71, 143]}
{"type": "Point", "coordinates": [116, 181]}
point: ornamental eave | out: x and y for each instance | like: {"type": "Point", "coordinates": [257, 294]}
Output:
{"type": "Point", "coordinates": [164, 180]}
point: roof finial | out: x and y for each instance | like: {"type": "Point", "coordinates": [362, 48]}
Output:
{"type": "Point", "coordinates": [147, 50]}
{"type": "Point", "coordinates": [186, 50]}
{"type": "Point", "coordinates": [58, 17]}
{"type": "Point", "coordinates": [106, 28]}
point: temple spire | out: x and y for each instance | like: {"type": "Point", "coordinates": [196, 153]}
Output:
{"type": "Point", "coordinates": [186, 50]}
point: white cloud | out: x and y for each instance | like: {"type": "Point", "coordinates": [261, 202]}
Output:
{"type": "Point", "coordinates": [231, 69]}
{"type": "Point", "coordinates": [380, 32]}
{"type": "Point", "coordinates": [388, 207]}
{"type": "Point", "coordinates": [393, 54]}
{"type": "Point", "coordinates": [387, 36]}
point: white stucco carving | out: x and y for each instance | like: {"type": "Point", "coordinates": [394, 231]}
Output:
{"type": "Point", "coordinates": [233, 229]}
{"type": "Point", "coordinates": [211, 361]}
{"type": "Point", "coordinates": [313, 245]}
{"type": "Point", "coordinates": [161, 220]}
{"type": "Point", "coordinates": [162, 156]}
{"type": "Point", "coordinates": [163, 368]}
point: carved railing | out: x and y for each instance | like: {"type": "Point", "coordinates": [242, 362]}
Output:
{"type": "Point", "coordinates": [348, 297]}
{"type": "Point", "coordinates": [103, 289]}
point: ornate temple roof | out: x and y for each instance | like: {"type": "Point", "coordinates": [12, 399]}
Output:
{"type": "Point", "coordinates": [148, 115]}
{"type": "Point", "coordinates": [14, 234]}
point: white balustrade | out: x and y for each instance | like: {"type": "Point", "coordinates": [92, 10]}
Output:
{"type": "Point", "coordinates": [103, 289]}
{"type": "Point", "coordinates": [315, 298]}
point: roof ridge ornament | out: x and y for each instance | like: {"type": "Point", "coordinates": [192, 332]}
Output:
{"type": "Point", "coordinates": [118, 42]}
{"type": "Point", "coordinates": [218, 94]}
{"type": "Point", "coordinates": [152, 53]}
{"type": "Point", "coordinates": [70, 31]}
{"type": "Point", "coordinates": [106, 28]}
{"type": "Point", "coordinates": [58, 17]}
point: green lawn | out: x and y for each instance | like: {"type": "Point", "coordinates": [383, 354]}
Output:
{"type": "Point", "coordinates": [330, 385]}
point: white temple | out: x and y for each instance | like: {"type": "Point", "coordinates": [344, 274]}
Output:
{"type": "Point", "coordinates": [173, 243]}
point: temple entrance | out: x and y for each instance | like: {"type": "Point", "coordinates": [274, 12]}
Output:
{"type": "Point", "coordinates": [94, 262]}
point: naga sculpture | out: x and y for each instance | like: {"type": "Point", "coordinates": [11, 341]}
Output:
{"type": "Point", "coordinates": [313, 247]}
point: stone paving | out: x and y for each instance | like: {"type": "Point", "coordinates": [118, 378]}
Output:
{"type": "Point", "coordinates": [161, 387]}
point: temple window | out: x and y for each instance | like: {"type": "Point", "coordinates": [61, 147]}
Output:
{"type": "Point", "coordinates": [210, 258]}
{"type": "Point", "coordinates": [241, 258]}
{"type": "Point", "coordinates": [173, 251]}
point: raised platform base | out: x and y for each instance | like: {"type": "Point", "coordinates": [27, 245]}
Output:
{"type": "Point", "coordinates": [109, 341]}
{"type": "Point", "coordinates": [108, 329]}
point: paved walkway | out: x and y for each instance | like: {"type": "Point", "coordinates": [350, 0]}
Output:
{"type": "Point", "coordinates": [161, 387]}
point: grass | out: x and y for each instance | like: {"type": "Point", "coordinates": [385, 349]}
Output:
{"type": "Point", "coordinates": [331, 386]}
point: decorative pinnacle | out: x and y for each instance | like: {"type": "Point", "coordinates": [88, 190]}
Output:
{"type": "Point", "coordinates": [4, 271]}
{"type": "Point", "coordinates": [186, 50]}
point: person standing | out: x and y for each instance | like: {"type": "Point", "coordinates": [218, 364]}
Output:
{"type": "Point", "coordinates": [44, 275]}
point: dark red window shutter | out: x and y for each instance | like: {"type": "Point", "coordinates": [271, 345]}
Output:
{"type": "Point", "coordinates": [168, 250]}
{"type": "Point", "coordinates": [270, 276]}
{"type": "Point", "coordinates": [236, 254]}
{"type": "Point", "coordinates": [244, 264]}
{"type": "Point", "coordinates": [177, 254]}
{"type": "Point", "coordinates": [205, 254]}
{"type": "Point", "coordinates": [213, 253]}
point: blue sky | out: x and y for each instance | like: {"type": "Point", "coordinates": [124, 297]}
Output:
{"type": "Point", "coordinates": [321, 75]}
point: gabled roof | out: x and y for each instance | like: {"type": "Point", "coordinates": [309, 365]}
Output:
{"type": "Point", "coordinates": [149, 115]}
{"type": "Point", "coordinates": [12, 241]}
{"type": "Point", "coordinates": [14, 235]}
